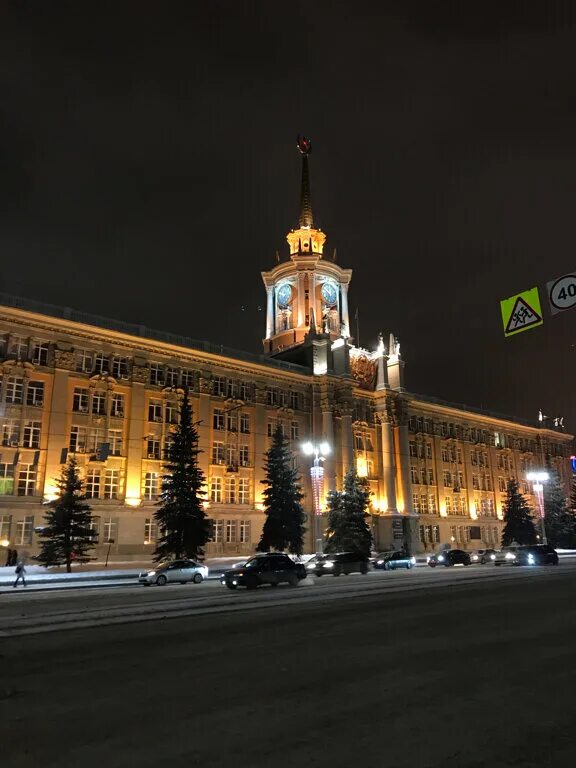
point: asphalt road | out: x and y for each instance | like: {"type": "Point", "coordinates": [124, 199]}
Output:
{"type": "Point", "coordinates": [466, 668]}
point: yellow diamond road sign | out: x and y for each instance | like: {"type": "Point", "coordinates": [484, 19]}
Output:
{"type": "Point", "coordinates": [521, 312]}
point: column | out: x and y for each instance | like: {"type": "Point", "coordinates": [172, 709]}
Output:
{"type": "Point", "coordinates": [301, 299]}
{"type": "Point", "coordinates": [345, 317]}
{"type": "Point", "coordinates": [58, 407]}
{"type": "Point", "coordinates": [404, 466]}
{"type": "Point", "coordinates": [388, 462]}
{"type": "Point", "coordinates": [269, 311]}
{"type": "Point", "coordinates": [328, 435]}
{"type": "Point", "coordinates": [137, 420]}
{"type": "Point", "coordinates": [347, 438]}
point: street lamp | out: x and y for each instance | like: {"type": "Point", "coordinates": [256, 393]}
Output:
{"type": "Point", "coordinates": [317, 476]}
{"type": "Point", "coordinates": [537, 479]}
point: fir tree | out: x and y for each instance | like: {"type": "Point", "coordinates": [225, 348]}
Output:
{"type": "Point", "coordinates": [518, 523]}
{"type": "Point", "coordinates": [559, 517]}
{"type": "Point", "coordinates": [68, 534]}
{"type": "Point", "coordinates": [347, 527]}
{"type": "Point", "coordinates": [284, 524]}
{"type": "Point", "coordinates": [182, 522]}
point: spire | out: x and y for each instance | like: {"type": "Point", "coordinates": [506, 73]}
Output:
{"type": "Point", "coordinates": [306, 218]}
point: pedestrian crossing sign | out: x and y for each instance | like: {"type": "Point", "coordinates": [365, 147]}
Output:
{"type": "Point", "coordinates": [521, 312]}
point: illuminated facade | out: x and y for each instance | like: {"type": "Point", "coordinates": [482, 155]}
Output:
{"type": "Point", "coordinates": [108, 392]}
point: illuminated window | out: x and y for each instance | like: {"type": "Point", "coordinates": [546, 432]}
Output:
{"type": "Point", "coordinates": [430, 477]}
{"type": "Point", "coordinates": [244, 531]}
{"type": "Point", "coordinates": [10, 432]}
{"type": "Point", "coordinates": [14, 390]}
{"type": "Point", "coordinates": [244, 490]}
{"type": "Point", "coordinates": [116, 440]}
{"type": "Point", "coordinates": [32, 434]}
{"type": "Point", "coordinates": [424, 504]}
{"type": "Point", "coordinates": [217, 453]}
{"type": "Point", "coordinates": [92, 484]}
{"type": "Point", "coordinates": [26, 480]}
{"type": "Point", "coordinates": [416, 503]}
{"type": "Point", "coordinates": [216, 490]}
{"type": "Point", "coordinates": [217, 531]}
{"type": "Point", "coordinates": [447, 479]}
{"type": "Point", "coordinates": [6, 483]}
{"type": "Point", "coordinates": [230, 490]}
{"type": "Point", "coordinates": [412, 449]}
{"type": "Point", "coordinates": [432, 503]}
{"type": "Point", "coordinates": [24, 530]}
{"type": "Point", "coordinates": [5, 525]}
{"type": "Point", "coordinates": [111, 483]}
{"type": "Point", "coordinates": [230, 531]}
{"type": "Point", "coordinates": [150, 530]}
{"type": "Point", "coordinates": [151, 485]}
{"type": "Point", "coordinates": [414, 474]}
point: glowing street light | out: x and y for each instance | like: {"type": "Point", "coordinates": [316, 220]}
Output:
{"type": "Point", "coordinates": [538, 479]}
{"type": "Point", "coordinates": [317, 476]}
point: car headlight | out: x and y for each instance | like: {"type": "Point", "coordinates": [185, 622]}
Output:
{"type": "Point", "coordinates": [509, 556]}
{"type": "Point", "coordinates": [531, 559]}
{"type": "Point", "coordinates": [413, 560]}
{"type": "Point", "coordinates": [474, 557]}
{"type": "Point", "coordinates": [311, 566]}
{"type": "Point", "coordinates": [440, 558]}
{"type": "Point", "coordinates": [151, 573]}
{"type": "Point", "coordinates": [492, 557]}
{"type": "Point", "coordinates": [428, 559]}
{"type": "Point", "coordinates": [379, 562]}
{"type": "Point", "coordinates": [329, 564]}
{"type": "Point", "coordinates": [235, 582]}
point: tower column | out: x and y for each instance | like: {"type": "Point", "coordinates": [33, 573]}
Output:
{"type": "Point", "coordinates": [403, 453]}
{"type": "Point", "coordinates": [328, 435]}
{"type": "Point", "coordinates": [388, 462]}
{"type": "Point", "coordinates": [347, 438]}
{"type": "Point", "coordinates": [269, 311]}
{"type": "Point", "coordinates": [345, 317]}
{"type": "Point", "coordinates": [301, 299]}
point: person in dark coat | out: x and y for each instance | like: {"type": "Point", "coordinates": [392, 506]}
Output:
{"type": "Point", "coordinates": [8, 558]}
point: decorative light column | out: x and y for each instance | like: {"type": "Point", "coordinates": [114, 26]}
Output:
{"type": "Point", "coordinates": [317, 477]}
{"type": "Point", "coordinates": [538, 479]}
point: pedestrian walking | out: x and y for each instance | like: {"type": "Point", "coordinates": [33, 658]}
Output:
{"type": "Point", "coordinates": [20, 573]}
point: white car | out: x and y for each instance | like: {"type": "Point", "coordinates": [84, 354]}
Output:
{"type": "Point", "coordinates": [174, 572]}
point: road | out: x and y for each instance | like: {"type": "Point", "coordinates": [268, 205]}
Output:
{"type": "Point", "coordinates": [435, 669]}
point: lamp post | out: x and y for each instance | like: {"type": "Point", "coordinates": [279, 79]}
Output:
{"type": "Point", "coordinates": [538, 479]}
{"type": "Point", "coordinates": [317, 477]}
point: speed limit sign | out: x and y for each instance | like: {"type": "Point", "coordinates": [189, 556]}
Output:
{"type": "Point", "coordinates": [562, 293]}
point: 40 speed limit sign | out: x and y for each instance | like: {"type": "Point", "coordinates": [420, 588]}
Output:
{"type": "Point", "coordinates": [562, 293]}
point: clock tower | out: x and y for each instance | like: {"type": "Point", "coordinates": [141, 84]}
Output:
{"type": "Point", "coordinates": [306, 293]}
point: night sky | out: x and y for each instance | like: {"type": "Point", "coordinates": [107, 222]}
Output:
{"type": "Point", "coordinates": [148, 171]}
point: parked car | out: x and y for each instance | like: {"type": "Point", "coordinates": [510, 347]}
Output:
{"type": "Point", "coordinates": [450, 557]}
{"type": "Point", "coordinates": [339, 563]}
{"type": "Point", "coordinates": [175, 571]}
{"type": "Point", "coordinates": [483, 556]}
{"type": "Point", "coordinates": [375, 556]}
{"type": "Point", "coordinates": [506, 555]}
{"type": "Point", "coordinates": [395, 560]}
{"type": "Point", "coordinates": [535, 554]}
{"type": "Point", "coordinates": [273, 569]}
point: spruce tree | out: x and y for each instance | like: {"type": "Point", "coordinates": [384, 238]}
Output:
{"type": "Point", "coordinates": [182, 522]}
{"type": "Point", "coordinates": [68, 535]}
{"type": "Point", "coordinates": [559, 517]}
{"type": "Point", "coordinates": [518, 523]}
{"type": "Point", "coordinates": [348, 530]}
{"type": "Point", "coordinates": [284, 525]}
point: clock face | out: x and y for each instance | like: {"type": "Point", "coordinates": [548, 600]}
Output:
{"type": "Point", "coordinates": [284, 295]}
{"type": "Point", "coordinates": [329, 294]}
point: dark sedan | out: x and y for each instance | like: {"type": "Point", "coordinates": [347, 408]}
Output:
{"type": "Point", "coordinates": [272, 569]}
{"type": "Point", "coordinates": [538, 554]}
{"type": "Point", "coordinates": [450, 557]}
{"type": "Point", "coordinates": [338, 563]}
{"type": "Point", "coordinates": [394, 561]}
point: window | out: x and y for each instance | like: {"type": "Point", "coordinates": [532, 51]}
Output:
{"type": "Point", "coordinates": [414, 474]}
{"type": "Point", "coordinates": [109, 530]}
{"type": "Point", "coordinates": [26, 480]}
{"type": "Point", "coordinates": [368, 441]}
{"type": "Point", "coordinates": [230, 388]}
{"type": "Point", "coordinates": [18, 347]}
{"type": "Point", "coordinates": [111, 483]}
{"type": "Point", "coordinates": [187, 378]}
{"type": "Point", "coordinates": [99, 402]}
{"type": "Point", "coordinates": [230, 490]}
{"type": "Point", "coordinates": [95, 439]}
{"type": "Point", "coordinates": [428, 450]}
{"type": "Point", "coordinates": [40, 353]}
{"type": "Point", "coordinates": [150, 530]}
{"type": "Point", "coordinates": [219, 386]}
{"type": "Point", "coordinates": [447, 479]}
{"type": "Point", "coordinates": [171, 411]}
{"type": "Point", "coordinates": [244, 532]}
{"type": "Point", "coordinates": [475, 483]}
{"type": "Point", "coordinates": [117, 407]}
{"type": "Point", "coordinates": [5, 525]}
{"type": "Point", "coordinates": [24, 530]}
{"type": "Point", "coordinates": [244, 455]}
{"type": "Point", "coordinates": [217, 531]}
{"type": "Point", "coordinates": [10, 432]}
{"type": "Point", "coordinates": [120, 367]}
{"type": "Point", "coordinates": [243, 391]}
{"type": "Point", "coordinates": [459, 455]}
{"type": "Point", "coordinates": [92, 484]}
{"type": "Point", "coordinates": [359, 442]}
{"type": "Point", "coordinates": [94, 526]}
{"type": "Point", "coordinates": [216, 490]}
{"type": "Point", "coordinates": [155, 410]}
{"type": "Point", "coordinates": [32, 434]}
{"type": "Point", "coordinates": [101, 363]}
{"type": "Point", "coordinates": [432, 503]}
{"type": "Point", "coordinates": [412, 448]}
{"type": "Point", "coordinates": [14, 390]}
{"type": "Point", "coordinates": [153, 448]}
{"type": "Point", "coordinates": [490, 507]}
{"type": "Point", "coordinates": [271, 428]}
{"type": "Point", "coordinates": [430, 477]}
{"type": "Point", "coordinates": [232, 422]}
{"type": "Point", "coordinates": [416, 503]}
{"type": "Point", "coordinates": [80, 400]}
{"type": "Point", "coordinates": [171, 377]}
{"type": "Point", "coordinates": [35, 393]}
{"type": "Point", "coordinates": [151, 486]}
{"type": "Point", "coordinates": [217, 453]}
{"type": "Point", "coordinates": [231, 456]}
{"type": "Point", "coordinates": [448, 505]}
{"type": "Point", "coordinates": [502, 484]}
{"type": "Point", "coordinates": [444, 453]}
{"type": "Point", "coordinates": [77, 442]}
{"type": "Point", "coordinates": [370, 468]}
{"type": "Point", "coordinates": [423, 476]}
{"type": "Point", "coordinates": [463, 509]}
{"type": "Point", "coordinates": [156, 374]}
{"type": "Point", "coordinates": [424, 504]}
{"type": "Point", "coordinates": [84, 360]}
{"type": "Point", "coordinates": [244, 490]}
{"type": "Point", "coordinates": [244, 423]}
{"type": "Point", "coordinates": [294, 401]}
{"type": "Point", "coordinates": [294, 430]}
{"type": "Point", "coordinates": [218, 418]}
{"type": "Point", "coordinates": [115, 438]}
{"type": "Point", "coordinates": [230, 531]}
{"type": "Point", "coordinates": [6, 482]}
